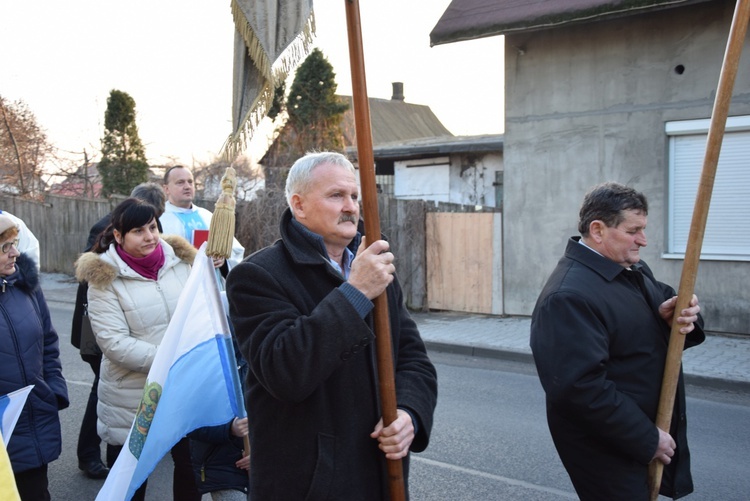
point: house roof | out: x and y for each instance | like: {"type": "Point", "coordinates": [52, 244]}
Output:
{"type": "Point", "coordinates": [433, 146]}
{"type": "Point", "coordinates": [391, 120]}
{"type": "Point", "coordinates": [85, 181]}
{"type": "Point", "coordinates": [394, 120]}
{"type": "Point", "coordinates": [472, 19]}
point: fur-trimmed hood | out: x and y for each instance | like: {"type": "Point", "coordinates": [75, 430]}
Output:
{"type": "Point", "coordinates": [100, 270]}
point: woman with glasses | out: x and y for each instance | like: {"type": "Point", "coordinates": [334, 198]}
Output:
{"type": "Point", "coordinates": [29, 354]}
{"type": "Point", "coordinates": [27, 242]}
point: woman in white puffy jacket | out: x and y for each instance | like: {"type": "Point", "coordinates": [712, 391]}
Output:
{"type": "Point", "coordinates": [135, 279]}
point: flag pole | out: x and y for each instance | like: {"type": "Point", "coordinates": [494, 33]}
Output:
{"type": "Point", "coordinates": [220, 240]}
{"type": "Point", "coordinates": [372, 230]}
{"type": "Point", "coordinates": [716, 129]}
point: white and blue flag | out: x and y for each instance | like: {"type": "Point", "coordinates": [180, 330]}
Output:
{"type": "Point", "coordinates": [11, 406]}
{"type": "Point", "coordinates": [192, 383]}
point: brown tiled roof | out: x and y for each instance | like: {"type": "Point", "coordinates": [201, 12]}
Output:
{"type": "Point", "coordinates": [391, 120]}
{"type": "Point", "coordinates": [472, 19]}
{"type": "Point", "coordinates": [394, 120]}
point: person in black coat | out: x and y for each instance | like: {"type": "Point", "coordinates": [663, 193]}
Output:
{"type": "Point", "coordinates": [599, 336]}
{"type": "Point", "coordinates": [302, 313]}
{"type": "Point", "coordinates": [29, 355]}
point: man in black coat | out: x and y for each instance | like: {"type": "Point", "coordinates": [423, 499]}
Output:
{"type": "Point", "coordinates": [302, 313]}
{"type": "Point", "coordinates": [599, 335]}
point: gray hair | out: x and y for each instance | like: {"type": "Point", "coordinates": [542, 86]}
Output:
{"type": "Point", "coordinates": [300, 175]}
{"type": "Point", "coordinates": [151, 193]}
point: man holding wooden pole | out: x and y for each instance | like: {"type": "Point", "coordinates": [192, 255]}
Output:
{"type": "Point", "coordinates": [302, 312]}
{"type": "Point", "coordinates": [599, 334]}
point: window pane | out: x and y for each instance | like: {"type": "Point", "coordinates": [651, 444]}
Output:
{"type": "Point", "coordinates": [728, 227]}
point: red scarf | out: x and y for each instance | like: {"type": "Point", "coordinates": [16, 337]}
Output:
{"type": "Point", "coordinates": [148, 266]}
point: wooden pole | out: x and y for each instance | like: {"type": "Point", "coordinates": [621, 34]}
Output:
{"type": "Point", "coordinates": [372, 231]}
{"type": "Point", "coordinates": [698, 225]}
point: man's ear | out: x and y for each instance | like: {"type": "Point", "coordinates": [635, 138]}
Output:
{"type": "Point", "coordinates": [297, 205]}
{"type": "Point", "coordinates": [596, 230]}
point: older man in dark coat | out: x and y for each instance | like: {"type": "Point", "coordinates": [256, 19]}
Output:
{"type": "Point", "coordinates": [302, 314]}
{"type": "Point", "coordinates": [599, 335]}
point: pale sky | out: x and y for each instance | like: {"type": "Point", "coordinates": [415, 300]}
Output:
{"type": "Point", "coordinates": [175, 59]}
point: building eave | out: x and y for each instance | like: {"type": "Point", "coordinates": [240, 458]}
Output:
{"type": "Point", "coordinates": [434, 146]}
{"type": "Point", "coordinates": [472, 19]}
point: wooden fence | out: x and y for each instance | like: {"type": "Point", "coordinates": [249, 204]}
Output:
{"type": "Point", "coordinates": [464, 262]}
{"type": "Point", "coordinates": [448, 257]}
{"type": "Point", "coordinates": [61, 224]}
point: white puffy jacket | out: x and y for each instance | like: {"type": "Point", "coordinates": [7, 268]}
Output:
{"type": "Point", "coordinates": [129, 315]}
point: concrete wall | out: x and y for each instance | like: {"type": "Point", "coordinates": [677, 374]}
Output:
{"type": "Point", "coordinates": [587, 104]}
{"type": "Point", "coordinates": [472, 178]}
{"type": "Point", "coordinates": [459, 178]}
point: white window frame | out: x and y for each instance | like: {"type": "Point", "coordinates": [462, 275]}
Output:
{"type": "Point", "coordinates": [727, 232]}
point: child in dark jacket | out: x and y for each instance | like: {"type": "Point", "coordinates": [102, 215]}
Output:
{"type": "Point", "coordinates": [219, 460]}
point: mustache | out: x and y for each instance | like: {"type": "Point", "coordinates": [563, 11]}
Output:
{"type": "Point", "coordinates": [348, 218]}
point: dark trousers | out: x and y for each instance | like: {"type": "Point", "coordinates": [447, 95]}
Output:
{"type": "Point", "coordinates": [183, 480]}
{"type": "Point", "coordinates": [32, 484]}
{"type": "Point", "coordinates": [183, 484]}
{"type": "Point", "coordinates": [112, 452]}
{"type": "Point", "coordinates": [89, 443]}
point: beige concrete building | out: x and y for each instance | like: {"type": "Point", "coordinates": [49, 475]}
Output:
{"type": "Point", "coordinates": [607, 90]}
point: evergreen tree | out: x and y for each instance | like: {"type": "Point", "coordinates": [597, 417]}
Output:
{"type": "Point", "coordinates": [312, 104]}
{"type": "Point", "coordinates": [123, 165]}
{"type": "Point", "coordinates": [314, 113]}
{"type": "Point", "coordinates": [277, 105]}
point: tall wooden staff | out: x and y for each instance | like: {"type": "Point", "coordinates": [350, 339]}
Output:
{"type": "Point", "coordinates": [698, 225]}
{"type": "Point", "coordinates": [372, 230]}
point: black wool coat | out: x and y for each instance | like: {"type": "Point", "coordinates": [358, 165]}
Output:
{"type": "Point", "coordinates": [312, 388]}
{"type": "Point", "coordinates": [600, 348]}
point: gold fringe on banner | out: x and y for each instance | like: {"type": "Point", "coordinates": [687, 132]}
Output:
{"type": "Point", "coordinates": [271, 68]}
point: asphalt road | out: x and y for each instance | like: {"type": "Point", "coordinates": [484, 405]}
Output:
{"type": "Point", "coordinates": [67, 482]}
{"type": "Point", "coordinates": [489, 442]}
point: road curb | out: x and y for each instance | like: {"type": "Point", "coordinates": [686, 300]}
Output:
{"type": "Point", "coordinates": [709, 382]}
{"type": "Point", "coordinates": [717, 383]}
{"type": "Point", "coordinates": [480, 351]}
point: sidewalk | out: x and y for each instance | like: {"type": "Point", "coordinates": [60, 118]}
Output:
{"type": "Point", "coordinates": [720, 362]}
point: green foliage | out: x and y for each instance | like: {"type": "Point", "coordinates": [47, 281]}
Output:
{"type": "Point", "coordinates": [123, 164]}
{"type": "Point", "coordinates": [278, 101]}
{"type": "Point", "coordinates": [312, 98]}
{"type": "Point", "coordinates": [314, 114]}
